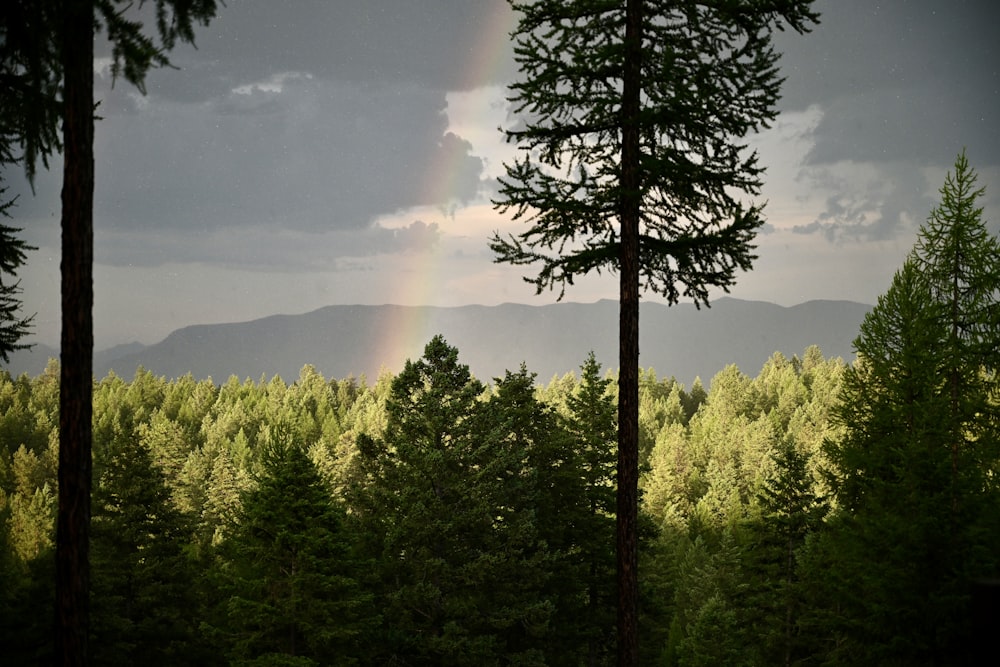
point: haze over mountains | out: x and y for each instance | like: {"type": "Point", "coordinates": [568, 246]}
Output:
{"type": "Point", "coordinates": [341, 341]}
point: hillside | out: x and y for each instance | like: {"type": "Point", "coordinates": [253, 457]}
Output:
{"type": "Point", "coordinates": [552, 339]}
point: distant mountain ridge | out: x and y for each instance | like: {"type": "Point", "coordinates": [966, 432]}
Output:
{"type": "Point", "coordinates": [344, 340]}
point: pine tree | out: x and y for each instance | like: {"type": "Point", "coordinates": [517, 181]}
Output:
{"type": "Point", "coordinates": [790, 511]}
{"type": "Point", "coordinates": [528, 479]}
{"type": "Point", "coordinates": [913, 473]}
{"type": "Point", "coordinates": [593, 425]}
{"type": "Point", "coordinates": [634, 117]}
{"type": "Point", "coordinates": [27, 594]}
{"type": "Point", "coordinates": [13, 327]}
{"type": "Point", "coordinates": [289, 583]}
{"type": "Point", "coordinates": [957, 256]}
{"type": "Point", "coordinates": [446, 495]}
{"type": "Point", "coordinates": [46, 59]}
{"type": "Point", "coordinates": [142, 575]}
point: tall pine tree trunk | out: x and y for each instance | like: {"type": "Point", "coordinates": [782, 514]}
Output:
{"type": "Point", "coordinates": [76, 379]}
{"type": "Point", "coordinates": [628, 356]}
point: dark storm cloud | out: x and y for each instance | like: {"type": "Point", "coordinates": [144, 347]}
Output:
{"type": "Point", "coordinates": [309, 116]}
{"type": "Point", "coordinates": [902, 86]}
{"type": "Point", "coordinates": [262, 249]}
{"type": "Point", "coordinates": [433, 43]}
{"type": "Point", "coordinates": [904, 80]}
{"type": "Point", "coordinates": [315, 155]}
{"type": "Point", "coordinates": [317, 116]}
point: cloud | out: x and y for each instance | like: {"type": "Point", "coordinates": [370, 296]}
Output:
{"type": "Point", "coordinates": [293, 151]}
{"type": "Point", "coordinates": [435, 44]}
{"type": "Point", "coordinates": [264, 249]}
{"type": "Point", "coordinates": [867, 202]}
{"type": "Point", "coordinates": [898, 81]}
{"type": "Point", "coordinates": [310, 116]}
{"type": "Point", "coordinates": [894, 91]}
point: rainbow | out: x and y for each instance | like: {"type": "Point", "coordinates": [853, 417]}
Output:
{"type": "Point", "coordinates": [409, 328]}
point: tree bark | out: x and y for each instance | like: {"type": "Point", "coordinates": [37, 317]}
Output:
{"type": "Point", "coordinates": [76, 374]}
{"type": "Point", "coordinates": [628, 374]}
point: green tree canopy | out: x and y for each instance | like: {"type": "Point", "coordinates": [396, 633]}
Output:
{"type": "Point", "coordinates": [142, 575]}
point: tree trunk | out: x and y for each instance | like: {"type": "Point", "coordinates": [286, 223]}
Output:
{"type": "Point", "coordinates": [76, 375]}
{"type": "Point", "coordinates": [628, 358]}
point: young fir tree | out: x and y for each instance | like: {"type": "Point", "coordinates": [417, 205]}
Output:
{"type": "Point", "coordinates": [289, 580]}
{"type": "Point", "coordinates": [445, 495]}
{"type": "Point", "coordinates": [633, 161]}
{"type": "Point", "coordinates": [593, 425]}
{"type": "Point", "coordinates": [532, 485]}
{"type": "Point", "coordinates": [957, 256]}
{"type": "Point", "coordinates": [912, 476]}
{"type": "Point", "coordinates": [144, 583]}
{"type": "Point", "coordinates": [790, 511]}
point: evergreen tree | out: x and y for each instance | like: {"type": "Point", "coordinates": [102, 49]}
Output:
{"type": "Point", "coordinates": [790, 511]}
{"type": "Point", "coordinates": [957, 256]}
{"type": "Point", "coordinates": [708, 628]}
{"type": "Point", "coordinates": [634, 116]}
{"type": "Point", "coordinates": [893, 567]}
{"type": "Point", "coordinates": [13, 327]}
{"type": "Point", "coordinates": [528, 473]}
{"type": "Point", "coordinates": [445, 494]}
{"type": "Point", "coordinates": [143, 600]}
{"type": "Point", "coordinates": [27, 594]}
{"type": "Point", "coordinates": [659, 405]}
{"type": "Point", "coordinates": [30, 515]}
{"type": "Point", "coordinates": [693, 399]}
{"type": "Point", "coordinates": [913, 473]}
{"type": "Point", "coordinates": [168, 446]}
{"type": "Point", "coordinates": [46, 57]}
{"type": "Point", "coordinates": [672, 484]}
{"type": "Point", "coordinates": [593, 425]}
{"type": "Point", "coordinates": [223, 497]}
{"type": "Point", "coordinates": [289, 581]}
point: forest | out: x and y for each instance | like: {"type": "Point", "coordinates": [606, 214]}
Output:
{"type": "Point", "coordinates": [426, 518]}
{"type": "Point", "coordinates": [818, 513]}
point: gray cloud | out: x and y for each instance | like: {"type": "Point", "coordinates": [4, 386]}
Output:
{"type": "Point", "coordinates": [262, 249]}
{"type": "Point", "coordinates": [313, 119]}
{"type": "Point", "coordinates": [312, 156]}
{"type": "Point", "coordinates": [434, 43]}
{"type": "Point", "coordinates": [288, 132]}
{"type": "Point", "coordinates": [915, 80]}
{"type": "Point", "coordinates": [880, 202]}
{"type": "Point", "coordinates": [903, 87]}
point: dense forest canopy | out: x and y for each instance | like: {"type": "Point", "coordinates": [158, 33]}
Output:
{"type": "Point", "coordinates": [216, 484]}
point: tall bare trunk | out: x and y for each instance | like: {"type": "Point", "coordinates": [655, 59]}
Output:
{"type": "Point", "coordinates": [628, 378]}
{"type": "Point", "coordinates": [77, 341]}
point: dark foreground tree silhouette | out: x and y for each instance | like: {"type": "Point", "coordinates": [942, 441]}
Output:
{"type": "Point", "coordinates": [633, 116]}
{"type": "Point", "coordinates": [47, 56]}
{"type": "Point", "coordinates": [13, 327]}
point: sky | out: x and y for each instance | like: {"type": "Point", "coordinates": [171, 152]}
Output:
{"type": "Point", "coordinates": [313, 153]}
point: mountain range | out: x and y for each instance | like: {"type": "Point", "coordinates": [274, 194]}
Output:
{"type": "Point", "coordinates": [345, 340]}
